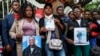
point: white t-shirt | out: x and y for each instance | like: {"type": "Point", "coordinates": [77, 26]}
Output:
{"type": "Point", "coordinates": [79, 21]}
{"type": "Point", "coordinates": [32, 50]}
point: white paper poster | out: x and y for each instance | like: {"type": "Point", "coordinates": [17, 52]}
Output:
{"type": "Point", "coordinates": [49, 24]}
{"type": "Point", "coordinates": [80, 36]}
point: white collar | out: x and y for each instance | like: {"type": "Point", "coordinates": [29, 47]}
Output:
{"type": "Point", "coordinates": [78, 19]}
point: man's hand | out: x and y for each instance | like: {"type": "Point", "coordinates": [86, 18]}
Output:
{"type": "Point", "coordinates": [57, 21]}
{"type": "Point", "coordinates": [70, 41]}
{"type": "Point", "coordinates": [71, 28]}
{"type": "Point", "coordinates": [8, 48]}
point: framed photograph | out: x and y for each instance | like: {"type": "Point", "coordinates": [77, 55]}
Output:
{"type": "Point", "coordinates": [50, 24]}
{"type": "Point", "coordinates": [80, 36]}
{"type": "Point", "coordinates": [31, 46]}
{"type": "Point", "coordinates": [98, 21]}
{"type": "Point", "coordinates": [26, 39]}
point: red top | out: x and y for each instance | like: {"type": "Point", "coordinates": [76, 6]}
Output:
{"type": "Point", "coordinates": [94, 33]}
{"type": "Point", "coordinates": [16, 16]}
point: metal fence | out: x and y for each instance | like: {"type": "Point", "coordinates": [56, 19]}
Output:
{"type": "Point", "coordinates": [5, 7]}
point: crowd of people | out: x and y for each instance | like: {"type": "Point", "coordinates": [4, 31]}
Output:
{"type": "Point", "coordinates": [22, 22]}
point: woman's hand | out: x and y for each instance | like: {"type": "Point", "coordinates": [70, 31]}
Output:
{"type": "Point", "coordinates": [43, 37]}
{"type": "Point", "coordinates": [43, 29]}
{"type": "Point", "coordinates": [18, 37]}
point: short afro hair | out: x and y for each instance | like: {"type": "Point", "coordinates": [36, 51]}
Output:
{"type": "Point", "coordinates": [48, 4]}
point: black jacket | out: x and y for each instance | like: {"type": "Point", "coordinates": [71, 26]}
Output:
{"type": "Point", "coordinates": [61, 32]}
{"type": "Point", "coordinates": [36, 51]}
{"type": "Point", "coordinates": [6, 25]}
{"type": "Point", "coordinates": [0, 27]}
{"type": "Point", "coordinates": [98, 26]}
{"type": "Point", "coordinates": [70, 33]}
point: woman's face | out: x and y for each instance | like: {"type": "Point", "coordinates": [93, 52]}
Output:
{"type": "Point", "coordinates": [28, 11]}
{"type": "Point", "coordinates": [71, 15]}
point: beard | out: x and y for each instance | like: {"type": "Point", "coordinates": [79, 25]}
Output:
{"type": "Point", "coordinates": [32, 46]}
{"type": "Point", "coordinates": [16, 10]}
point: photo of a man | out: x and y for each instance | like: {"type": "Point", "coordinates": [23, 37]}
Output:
{"type": "Point", "coordinates": [32, 49]}
{"type": "Point", "coordinates": [80, 36]}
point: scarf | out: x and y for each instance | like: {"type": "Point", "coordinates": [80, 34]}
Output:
{"type": "Point", "coordinates": [49, 34]}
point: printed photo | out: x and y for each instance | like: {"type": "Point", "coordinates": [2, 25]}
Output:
{"type": "Point", "coordinates": [80, 36]}
{"type": "Point", "coordinates": [49, 24]}
{"type": "Point", "coordinates": [31, 46]}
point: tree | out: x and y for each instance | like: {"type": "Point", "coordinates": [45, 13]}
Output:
{"type": "Point", "coordinates": [92, 6]}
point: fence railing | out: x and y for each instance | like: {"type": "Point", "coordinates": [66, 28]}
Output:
{"type": "Point", "coordinates": [5, 7]}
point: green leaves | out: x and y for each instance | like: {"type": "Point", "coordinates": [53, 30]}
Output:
{"type": "Point", "coordinates": [92, 6]}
